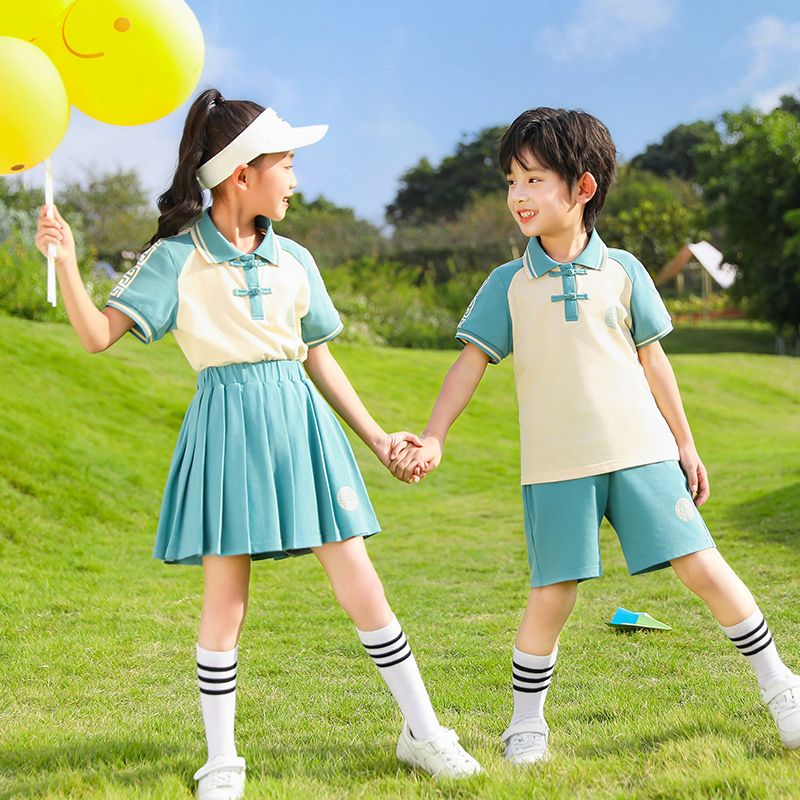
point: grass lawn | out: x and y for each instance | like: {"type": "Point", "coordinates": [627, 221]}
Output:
{"type": "Point", "coordinates": [98, 695]}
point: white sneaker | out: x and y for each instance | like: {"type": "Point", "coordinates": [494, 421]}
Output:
{"type": "Point", "coordinates": [526, 742]}
{"type": "Point", "coordinates": [222, 778]}
{"type": "Point", "coordinates": [783, 700]}
{"type": "Point", "coordinates": [441, 757]}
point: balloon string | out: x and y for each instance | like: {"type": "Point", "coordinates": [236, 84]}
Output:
{"type": "Point", "coordinates": [51, 248]}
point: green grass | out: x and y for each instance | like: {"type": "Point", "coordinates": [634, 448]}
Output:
{"type": "Point", "coordinates": [98, 695]}
{"type": "Point", "coordinates": [725, 336]}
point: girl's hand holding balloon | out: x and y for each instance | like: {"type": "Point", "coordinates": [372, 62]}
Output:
{"type": "Point", "coordinates": [55, 231]}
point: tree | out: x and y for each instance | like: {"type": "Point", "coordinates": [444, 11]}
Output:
{"type": "Point", "coordinates": [14, 194]}
{"type": "Point", "coordinates": [428, 194]}
{"type": "Point", "coordinates": [481, 236]}
{"type": "Point", "coordinates": [332, 233]}
{"type": "Point", "coordinates": [752, 183]}
{"type": "Point", "coordinates": [651, 216]}
{"type": "Point", "coordinates": [791, 104]}
{"type": "Point", "coordinates": [675, 154]}
{"type": "Point", "coordinates": [115, 213]}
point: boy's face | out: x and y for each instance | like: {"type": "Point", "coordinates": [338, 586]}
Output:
{"type": "Point", "coordinates": [540, 200]}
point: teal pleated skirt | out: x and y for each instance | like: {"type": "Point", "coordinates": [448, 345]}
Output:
{"type": "Point", "coordinates": [262, 467]}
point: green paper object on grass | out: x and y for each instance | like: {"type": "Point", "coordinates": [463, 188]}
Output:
{"type": "Point", "coordinates": [636, 619]}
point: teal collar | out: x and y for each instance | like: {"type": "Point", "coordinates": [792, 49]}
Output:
{"type": "Point", "coordinates": [216, 249]}
{"type": "Point", "coordinates": [537, 262]}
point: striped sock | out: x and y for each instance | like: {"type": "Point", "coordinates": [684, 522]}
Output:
{"type": "Point", "coordinates": [216, 676]}
{"type": "Point", "coordinates": [753, 639]}
{"type": "Point", "coordinates": [389, 649]}
{"type": "Point", "coordinates": [531, 676]}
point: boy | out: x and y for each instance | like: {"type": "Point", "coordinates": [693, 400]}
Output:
{"type": "Point", "coordinates": [603, 431]}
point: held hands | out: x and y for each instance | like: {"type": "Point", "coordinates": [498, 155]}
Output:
{"type": "Point", "coordinates": [394, 442]}
{"type": "Point", "coordinates": [695, 473]}
{"type": "Point", "coordinates": [411, 464]}
{"type": "Point", "coordinates": [54, 231]}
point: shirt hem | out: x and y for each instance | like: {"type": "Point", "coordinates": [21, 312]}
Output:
{"type": "Point", "coordinates": [142, 329]}
{"type": "Point", "coordinates": [660, 335]}
{"type": "Point", "coordinates": [599, 469]}
{"type": "Point", "coordinates": [326, 338]}
{"type": "Point", "coordinates": [494, 355]}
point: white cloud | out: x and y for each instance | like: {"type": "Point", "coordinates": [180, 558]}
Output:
{"type": "Point", "coordinates": [767, 99]}
{"type": "Point", "coordinates": [773, 43]}
{"type": "Point", "coordinates": [774, 70]}
{"type": "Point", "coordinates": [605, 28]}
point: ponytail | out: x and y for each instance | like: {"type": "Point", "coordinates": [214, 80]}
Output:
{"type": "Point", "coordinates": [211, 124]}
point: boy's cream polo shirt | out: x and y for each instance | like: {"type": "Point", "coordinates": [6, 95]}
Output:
{"type": "Point", "coordinates": [585, 407]}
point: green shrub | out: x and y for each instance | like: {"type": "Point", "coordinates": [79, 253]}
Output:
{"type": "Point", "coordinates": [393, 304]}
{"type": "Point", "coordinates": [23, 279]}
{"type": "Point", "coordinates": [692, 305]}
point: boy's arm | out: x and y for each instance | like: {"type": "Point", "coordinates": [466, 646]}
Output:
{"type": "Point", "coordinates": [664, 387]}
{"type": "Point", "coordinates": [457, 389]}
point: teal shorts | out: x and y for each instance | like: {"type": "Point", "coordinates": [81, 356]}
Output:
{"type": "Point", "coordinates": [650, 508]}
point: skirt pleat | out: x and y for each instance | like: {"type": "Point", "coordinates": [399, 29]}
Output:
{"type": "Point", "coordinates": [261, 467]}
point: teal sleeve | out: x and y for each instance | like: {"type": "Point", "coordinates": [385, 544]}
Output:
{"type": "Point", "coordinates": [148, 294]}
{"type": "Point", "coordinates": [321, 322]}
{"type": "Point", "coordinates": [650, 320]}
{"type": "Point", "coordinates": [487, 320]}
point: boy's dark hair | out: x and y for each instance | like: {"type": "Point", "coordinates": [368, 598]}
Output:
{"type": "Point", "coordinates": [567, 142]}
{"type": "Point", "coordinates": [212, 123]}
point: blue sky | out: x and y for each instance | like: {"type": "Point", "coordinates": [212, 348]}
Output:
{"type": "Point", "coordinates": [398, 81]}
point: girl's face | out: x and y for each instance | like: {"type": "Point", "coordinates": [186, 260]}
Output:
{"type": "Point", "coordinates": [270, 184]}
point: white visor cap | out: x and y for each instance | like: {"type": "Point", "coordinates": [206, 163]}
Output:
{"type": "Point", "coordinates": [267, 133]}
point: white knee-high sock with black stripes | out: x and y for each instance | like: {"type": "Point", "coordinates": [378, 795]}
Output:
{"type": "Point", "coordinates": [216, 676]}
{"type": "Point", "coordinates": [389, 649]}
{"type": "Point", "coordinates": [531, 676]}
{"type": "Point", "coordinates": [753, 639]}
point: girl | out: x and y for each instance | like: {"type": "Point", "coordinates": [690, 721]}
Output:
{"type": "Point", "coordinates": [262, 469]}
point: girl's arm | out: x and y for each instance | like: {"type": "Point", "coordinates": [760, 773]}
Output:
{"type": "Point", "coordinates": [329, 378]}
{"type": "Point", "coordinates": [96, 329]}
{"type": "Point", "coordinates": [664, 387]}
{"type": "Point", "coordinates": [457, 389]}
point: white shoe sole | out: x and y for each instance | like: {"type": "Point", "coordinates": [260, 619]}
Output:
{"type": "Point", "coordinates": [412, 764]}
{"type": "Point", "coordinates": [791, 743]}
{"type": "Point", "coordinates": [405, 756]}
{"type": "Point", "coordinates": [528, 762]}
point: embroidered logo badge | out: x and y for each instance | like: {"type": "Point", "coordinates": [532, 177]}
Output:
{"type": "Point", "coordinates": [684, 509]}
{"type": "Point", "coordinates": [611, 317]}
{"type": "Point", "coordinates": [347, 498]}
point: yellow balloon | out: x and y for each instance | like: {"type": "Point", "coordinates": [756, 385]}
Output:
{"type": "Point", "coordinates": [24, 20]}
{"type": "Point", "coordinates": [34, 109]}
{"type": "Point", "coordinates": [127, 62]}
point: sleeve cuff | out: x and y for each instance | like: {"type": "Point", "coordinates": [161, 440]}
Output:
{"type": "Point", "coordinates": [494, 354]}
{"type": "Point", "coordinates": [141, 329]}
{"type": "Point", "coordinates": [660, 335]}
{"type": "Point", "coordinates": [327, 338]}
